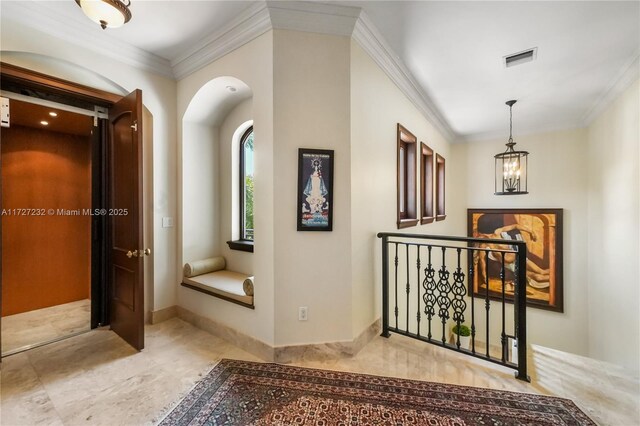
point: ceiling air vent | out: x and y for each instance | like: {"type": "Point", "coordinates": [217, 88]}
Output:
{"type": "Point", "coordinates": [520, 57]}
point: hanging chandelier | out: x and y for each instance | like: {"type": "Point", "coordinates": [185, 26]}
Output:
{"type": "Point", "coordinates": [107, 13]}
{"type": "Point", "coordinates": [511, 166]}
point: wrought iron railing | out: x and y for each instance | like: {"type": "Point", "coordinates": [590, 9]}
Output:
{"type": "Point", "coordinates": [427, 292]}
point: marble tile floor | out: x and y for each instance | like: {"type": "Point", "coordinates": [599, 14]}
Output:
{"type": "Point", "coordinates": [45, 325]}
{"type": "Point", "coordinates": [97, 379]}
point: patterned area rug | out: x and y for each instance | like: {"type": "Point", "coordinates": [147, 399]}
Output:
{"type": "Point", "coordinates": [250, 393]}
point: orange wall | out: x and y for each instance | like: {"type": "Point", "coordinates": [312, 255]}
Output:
{"type": "Point", "coordinates": [46, 260]}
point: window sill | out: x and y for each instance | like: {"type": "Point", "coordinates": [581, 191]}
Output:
{"type": "Point", "coordinates": [406, 223]}
{"type": "Point", "coordinates": [426, 219]}
{"type": "Point", "coordinates": [241, 245]}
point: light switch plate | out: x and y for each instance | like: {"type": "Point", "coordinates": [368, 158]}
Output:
{"type": "Point", "coordinates": [167, 222]}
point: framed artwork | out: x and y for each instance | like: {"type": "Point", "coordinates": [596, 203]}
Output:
{"type": "Point", "coordinates": [315, 189]}
{"type": "Point", "coordinates": [542, 231]}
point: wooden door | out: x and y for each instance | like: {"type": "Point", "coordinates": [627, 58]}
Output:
{"type": "Point", "coordinates": [126, 238]}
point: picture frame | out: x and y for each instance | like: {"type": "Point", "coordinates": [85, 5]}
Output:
{"type": "Point", "coordinates": [542, 231]}
{"type": "Point", "coordinates": [315, 190]}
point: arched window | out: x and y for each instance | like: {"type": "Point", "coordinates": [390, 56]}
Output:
{"type": "Point", "coordinates": [246, 185]}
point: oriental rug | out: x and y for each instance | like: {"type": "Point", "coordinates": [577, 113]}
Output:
{"type": "Point", "coordinates": [249, 393]}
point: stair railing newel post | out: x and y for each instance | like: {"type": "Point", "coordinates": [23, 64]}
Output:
{"type": "Point", "coordinates": [385, 286]}
{"type": "Point", "coordinates": [521, 313]}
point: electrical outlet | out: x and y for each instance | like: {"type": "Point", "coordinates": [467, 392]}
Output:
{"type": "Point", "coordinates": [302, 313]}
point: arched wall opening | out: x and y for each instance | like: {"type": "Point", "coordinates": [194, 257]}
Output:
{"type": "Point", "coordinates": [210, 149]}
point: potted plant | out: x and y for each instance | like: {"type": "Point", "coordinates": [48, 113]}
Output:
{"type": "Point", "coordinates": [464, 333]}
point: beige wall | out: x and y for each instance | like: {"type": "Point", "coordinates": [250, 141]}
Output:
{"type": "Point", "coordinates": [311, 110]}
{"type": "Point", "coordinates": [613, 254]}
{"type": "Point", "coordinates": [200, 193]}
{"type": "Point", "coordinates": [377, 105]}
{"type": "Point", "coordinates": [557, 179]}
{"type": "Point", "coordinates": [252, 64]}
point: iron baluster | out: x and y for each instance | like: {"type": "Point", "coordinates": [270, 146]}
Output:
{"type": "Point", "coordinates": [408, 287]}
{"type": "Point", "coordinates": [429, 297]}
{"type": "Point", "coordinates": [486, 299]}
{"type": "Point", "coordinates": [418, 290]}
{"type": "Point", "coordinates": [444, 288]}
{"type": "Point", "coordinates": [503, 336]}
{"type": "Point", "coordinates": [458, 303]}
{"type": "Point", "coordinates": [396, 285]}
{"type": "Point", "coordinates": [473, 304]}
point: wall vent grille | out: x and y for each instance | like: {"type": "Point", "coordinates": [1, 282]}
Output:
{"type": "Point", "coordinates": [520, 57]}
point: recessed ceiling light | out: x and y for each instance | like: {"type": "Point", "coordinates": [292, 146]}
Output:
{"type": "Point", "coordinates": [231, 88]}
{"type": "Point", "coordinates": [44, 123]}
{"type": "Point", "coordinates": [53, 114]}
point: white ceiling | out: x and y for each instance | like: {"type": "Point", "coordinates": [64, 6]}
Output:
{"type": "Point", "coordinates": [453, 49]}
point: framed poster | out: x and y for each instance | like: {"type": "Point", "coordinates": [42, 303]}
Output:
{"type": "Point", "coordinates": [542, 231]}
{"type": "Point", "coordinates": [315, 189]}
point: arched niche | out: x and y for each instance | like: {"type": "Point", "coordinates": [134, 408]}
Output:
{"type": "Point", "coordinates": [208, 172]}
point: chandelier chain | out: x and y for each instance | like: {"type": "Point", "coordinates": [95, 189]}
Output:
{"type": "Point", "coordinates": [510, 123]}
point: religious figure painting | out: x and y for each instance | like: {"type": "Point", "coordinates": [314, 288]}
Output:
{"type": "Point", "coordinates": [541, 229]}
{"type": "Point", "coordinates": [315, 190]}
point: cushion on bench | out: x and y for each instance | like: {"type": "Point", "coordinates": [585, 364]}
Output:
{"type": "Point", "coordinates": [199, 267]}
{"type": "Point", "coordinates": [224, 283]}
{"type": "Point", "coordinates": [247, 286]}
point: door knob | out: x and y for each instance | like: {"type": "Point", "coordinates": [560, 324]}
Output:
{"type": "Point", "coordinates": [146, 251]}
{"type": "Point", "coordinates": [131, 254]}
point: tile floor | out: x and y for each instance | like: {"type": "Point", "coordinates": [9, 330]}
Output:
{"type": "Point", "coordinates": [97, 379]}
{"type": "Point", "coordinates": [45, 325]}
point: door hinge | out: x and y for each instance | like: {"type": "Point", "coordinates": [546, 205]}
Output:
{"type": "Point", "coordinates": [134, 126]}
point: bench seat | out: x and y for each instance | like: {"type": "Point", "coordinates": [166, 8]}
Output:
{"type": "Point", "coordinates": [224, 284]}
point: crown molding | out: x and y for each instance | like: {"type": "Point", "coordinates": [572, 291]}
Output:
{"type": "Point", "coordinates": [251, 23]}
{"type": "Point", "coordinates": [313, 17]}
{"type": "Point", "coordinates": [45, 17]}
{"type": "Point", "coordinates": [528, 131]}
{"type": "Point", "coordinates": [370, 39]}
{"type": "Point", "coordinates": [629, 74]}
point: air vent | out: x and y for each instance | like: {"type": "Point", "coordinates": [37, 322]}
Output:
{"type": "Point", "coordinates": [520, 57]}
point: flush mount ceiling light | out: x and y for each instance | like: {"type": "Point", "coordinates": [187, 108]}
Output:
{"type": "Point", "coordinates": [107, 13]}
{"type": "Point", "coordinates": [511, 166]}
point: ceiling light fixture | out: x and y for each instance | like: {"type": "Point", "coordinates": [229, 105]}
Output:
{"type": "Point", "coordinates": [511, 166]}
{"type": "Point", "coordinates": [53, 114]}
{"type": "Point", "coordinates": [107, 13]}
{"type": "Point", "coordinates": [44, 123]}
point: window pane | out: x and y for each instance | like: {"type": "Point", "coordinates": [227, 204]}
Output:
{"type": "Point", "coordinates": [248, 188]}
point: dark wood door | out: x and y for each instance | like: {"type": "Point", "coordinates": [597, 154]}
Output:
{"type": "Point", "coordinates": [126, 239]}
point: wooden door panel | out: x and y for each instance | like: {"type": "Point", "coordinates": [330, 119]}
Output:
{"type": "Point", "coordinates": [124, 286]}
{"type": "Point", "coordinates": [126, 238]}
